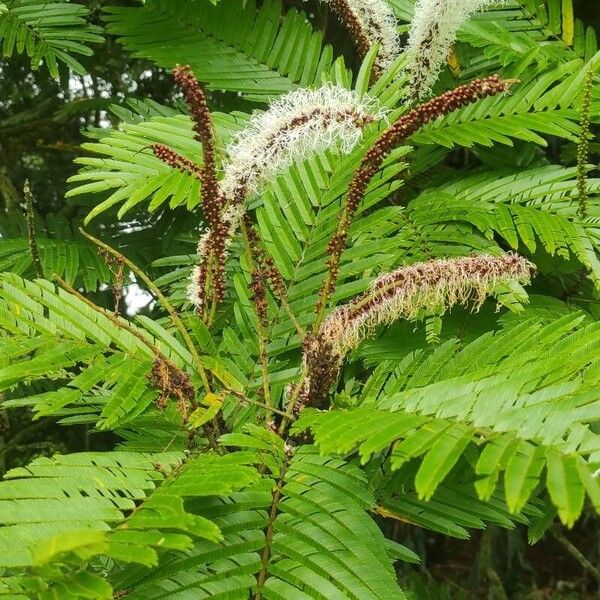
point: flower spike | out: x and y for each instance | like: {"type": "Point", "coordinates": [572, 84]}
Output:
{"type": "Point", "coordinates": [434, 285]}
{"type": "Point", "coordinates": [370, 22]}
{"type": "Point", "coordinates": [212, 199]}
{"type": "Point", "coordinates": [295, 125]}
{"type": "Point", "coordinates": [432, 32]}
{"type": "Point", "coordinates": [176, 160]}
{"type": "Point", "coordinates": [392, 137]}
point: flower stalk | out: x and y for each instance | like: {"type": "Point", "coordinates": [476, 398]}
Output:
{"type": "Point", "coordinates": [259, 298]}
{"type": "Point", "coordinates": [213, 252]}
{"type": "Point", "coordinates": [584, 145]}
{"type": "Point", "coordinates": [31, 233]}
{"type": "Point", "coordinates": [212, 199]}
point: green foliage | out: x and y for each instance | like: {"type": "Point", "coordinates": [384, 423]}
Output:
{"type": "Point", "coordinates": [206, 479]}
{"type": "Point", "coordinates": [521, 388]}
{"type": "Point", "coordinates": [231, 46]}
{"type": "Point", "coordinates": [47, 32]}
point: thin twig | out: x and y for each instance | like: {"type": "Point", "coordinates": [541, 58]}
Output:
{"type": "Point", "coordinates": [288, 309]}
{"type": "Point", "coordinates": [162, 299]}
{"type": "Point", "coordinates": [243, 398]}
{"type": "Point", "coordinates": [575, 553]}
{"type": "Point", "coordinates": [289, 411]}
{"type": "Point", "coordinates": [30, 215]}
{"type": "Point", "coordinates": [118, 321]}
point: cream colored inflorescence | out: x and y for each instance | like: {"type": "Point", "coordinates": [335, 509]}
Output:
{"type": "Point", "coordinates": [435, 285]}
{"type": "Point", "coordinates": [296, 125]}
{"type": "Point", "coordinates": [378, 26]}
{"type": "Point", "coordinates": [432, 33]}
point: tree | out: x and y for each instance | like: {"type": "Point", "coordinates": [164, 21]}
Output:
{"type": "Point", "coordinates": [315, 367]}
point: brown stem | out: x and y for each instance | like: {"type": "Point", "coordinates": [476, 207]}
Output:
{"type": "Point", "coordinates": [575, 553]}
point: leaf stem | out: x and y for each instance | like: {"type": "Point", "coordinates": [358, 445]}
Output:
{"type": "Point", "coordinates": [118, 321]}
{"type": "Point", "coordinates": [30, 215]}
{"type": "Point", "coordinates": [266, 554]}
{"type": "Point", "coordinates": [243, 398]}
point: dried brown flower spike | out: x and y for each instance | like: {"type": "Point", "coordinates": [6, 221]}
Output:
{"type": "Point", "coordinates": [212, 247]}
{"type": "Point", "coordinates": [401, 294]}
{"type": "Point", "coordinates": [176, 160]}
{"type": "Point", "coordinates": [212, 199]}
{"type": "Point", "coordinates": [172, 381]}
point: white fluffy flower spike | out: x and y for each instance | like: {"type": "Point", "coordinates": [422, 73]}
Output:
{"type": "Point", "coordinates": [296, 125]}
{"type": "Point", "coordinates": [432, 33]}
{"type": "Point", "coordinates": [371, 22]}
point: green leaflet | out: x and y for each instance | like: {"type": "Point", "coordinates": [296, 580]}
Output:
{"type": "Point", "coordinates": [51, 32]}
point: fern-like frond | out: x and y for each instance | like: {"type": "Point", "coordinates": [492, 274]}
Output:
{"type": "Point", "coordinates": [324, 543]}
{"type": "Point", "coordinates": [125, 506]}
{"type": "Point", "coordinates": [536, 109]}
{"type": "Point", "coordinates": [75, 261]}
{"type": "Point", "coordinates": [546, 30]}
{"type": "Point", "coordinates": [527, 405]}
{"type": "Point", "coordinates": [128, 170]}
{"type": "Point", "coordinates": [232, 46]}
{"type": "Point", "coordinates": [56, 336]}
{"type": "Point", "coordinates": [532, 209]}
{"type": "Point", "coordinates": [51, 32]}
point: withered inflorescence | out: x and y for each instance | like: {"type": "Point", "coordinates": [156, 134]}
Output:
{"type": "Point", "coordinates": [172, 382]}
{"type": "Point", "coordinates": [433, 286]}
